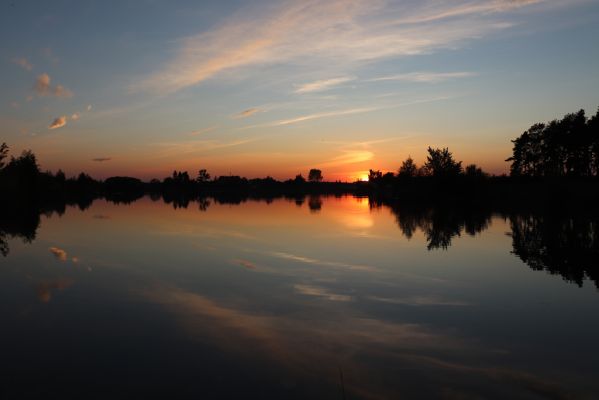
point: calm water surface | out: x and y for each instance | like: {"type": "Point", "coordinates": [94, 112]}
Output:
{"type": "Point", "coordinates": [328, 298]}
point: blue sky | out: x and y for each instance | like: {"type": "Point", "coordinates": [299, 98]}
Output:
{"type": "Point", "coordinates": [257, 88]}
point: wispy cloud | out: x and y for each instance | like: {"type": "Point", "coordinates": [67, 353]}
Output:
{"type": "Point", "coordinates": [321, 292]}
{"type": "Point", "coordinates": [431, 14]}
{"type": "Point", "coordinates": [425, 77]}
{"type": "Point", "coordinates": [334, 34]}
{"type": "Point", "coordinates": [202, 131]}
{"type": "Point", "coordinates": [23, 63]}
{"type": "Point", "coordinates": [58, 122]}
{"type": "Point", "coordinates": [248, 113]}
{"type": "Point", "coordinates": [349, 111]}
{"type": "Point", "coordinates": [75, 116]}
{"type": "Point", "coordinates": [318, 86]}
{"type": "Point", "coordinates": [349, 157]}
{"type": "Point", "coordinates": [101, 159]}
{"type": "Point", "coordinates": [43, 87]}
{"type": "Point", "coordinates": [310, 117]}
{"type": "Point", "coordinates": [167, 149]}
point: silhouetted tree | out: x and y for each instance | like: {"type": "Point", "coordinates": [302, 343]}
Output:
{"type": "Point", "coordinates": [299, 179]}
{"type": "Point", "coordinates": [440, 163]}
{"type": "Point", "coordinates": [374, 176]}
{"type": "Point", "coordinates": [315, 175]}
{"type": "Point", "coordinates": [474, 171]}
{"type": "Point", "coordinates": [60, 176]}
{"type": "Point", "coordinates": [203, 176]}
{"type": "Point", "coordinates": [593, 132]}
{"type": "Point", "coordinates": [3, 154]}
{"type": "Point", "coordinates": [566, 147]}
{"type": "Point", "coordinates": [408, 168]}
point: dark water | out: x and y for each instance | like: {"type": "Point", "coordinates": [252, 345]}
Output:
{"type": "Point", "coordinates": [329, 298]}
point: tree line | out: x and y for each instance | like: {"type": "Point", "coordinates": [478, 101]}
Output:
{"type": "Point", "coordinates": [567, 147]}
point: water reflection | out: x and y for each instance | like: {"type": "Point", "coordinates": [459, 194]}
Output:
{"type": "Point", "coordinates": [17, 222]}
{"type": "Point", "coordinates": [233, 297]}
{"type": "Point", "coordinates": [564, 244]}
{"type": "Point", "coordinates": [440, 223]}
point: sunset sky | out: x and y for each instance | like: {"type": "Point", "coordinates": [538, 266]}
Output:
{"type": "Point", "coordinates": [258, 88]}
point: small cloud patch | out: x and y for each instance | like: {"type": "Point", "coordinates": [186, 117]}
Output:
{"type": "Point", "coordinates": [23, 63]}
{"type": "Point", "coordinates": [58, 122]}
{"type": "Point", "coordinates": [43, 87]}
{"type": "Point", "coordinates": [247, 113]}
{"type": "Point", "coordinates": [245, 263]}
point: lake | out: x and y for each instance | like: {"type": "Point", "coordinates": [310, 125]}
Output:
{"type": "Point", "coordinates": [316, 297]}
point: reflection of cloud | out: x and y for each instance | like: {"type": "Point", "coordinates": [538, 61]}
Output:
{"type": "Point", "coordinates": [44, 289]}
{"type": "Point", "coordinates": [308, 343]}
{"type": "Point", "coordinates": [420, 301]}
{"type": "Point", "coordinates": [245, 263]}
{"type": "Point", "coordinates": [307, 260]}
{"type": "Point", "coordinates": [75, 116]}
{"type": "Point", "coordinates": [357, 221]}
{"type": "Point", "coordinates": [101, 159]}
{"type": "Point", "coordinates": [58, 122]}
{"type": "Point", "coordinates": [89, 107]}
{"type": "Point", "coordinates": [318, 86]}
{"type": "Point", "coordinates": [337, 34]}
{"type": "Point", "coordinates": [43, 88]}
{"type": "Point", "coordinates": [60, 254]}
{"type": "Point", "coordinates": [424, 77]}
{"type": "Point", "coordinates": [247, 113]}
{"type": "Point", "coordinates": [23, 63]}
{"type": "Point", "coordinates": [321, 292]}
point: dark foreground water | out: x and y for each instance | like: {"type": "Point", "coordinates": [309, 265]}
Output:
{"type": "Point", "coordinates": [327, 298]}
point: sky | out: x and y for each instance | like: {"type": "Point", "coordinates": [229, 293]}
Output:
{"type": "Point", "coordinates": [257, 88]}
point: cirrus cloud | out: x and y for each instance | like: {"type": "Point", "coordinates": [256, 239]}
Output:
{"type": "Point", "coordinates": [248, 113]}
{"type": "Point", "coordinates": [321, 85]}
{"type": "Point", "coordinates": [333, 35]}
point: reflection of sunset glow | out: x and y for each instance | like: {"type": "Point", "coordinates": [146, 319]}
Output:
{"type": "Point", "coordinates": [358, 221]}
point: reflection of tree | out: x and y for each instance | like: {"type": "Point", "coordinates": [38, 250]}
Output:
{"type": "Point", "coordinates": [315, 203]}
{"type": "Point", "coordinates": [21, 222]}
{"type": "Point", "coordinates": [564, 245]}
{"type": "Point", "coordinates": [203, 204]}
{"type": "Point", "coordinates": [439, 224]}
